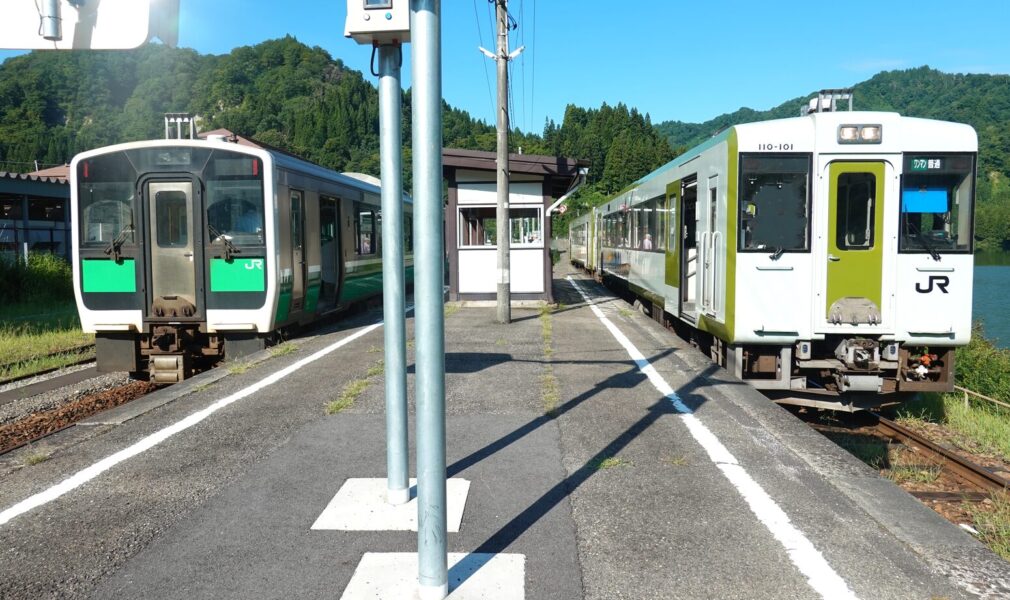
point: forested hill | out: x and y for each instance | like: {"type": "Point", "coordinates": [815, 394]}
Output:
{"type": "Point", "coordinates": [282, 92]}
{"type": "Point", "coordinates": [55, 104]}
{"type": "Point", "coordinates": [982, 101]}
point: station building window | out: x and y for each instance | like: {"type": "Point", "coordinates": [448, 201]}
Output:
{"type": "Point", "coordinates": [526, 226]}
{"type": "Point", "coordinates": [478, 226]}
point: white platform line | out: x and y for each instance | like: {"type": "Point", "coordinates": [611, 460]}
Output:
{"type": "Point", "coordinates": [85, 475]}
{"type": "Point", "coordinates": [810, 562]}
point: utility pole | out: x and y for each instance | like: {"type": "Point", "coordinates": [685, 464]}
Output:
{"type": "Point", "coordinates": [502, 220]}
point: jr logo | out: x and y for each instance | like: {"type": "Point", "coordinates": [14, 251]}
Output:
{"type": "Point", "coordinates": [254, 264]}
{"type": "Point", "coordinates": [941, 282]}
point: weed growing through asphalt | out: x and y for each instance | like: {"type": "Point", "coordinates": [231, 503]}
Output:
{"type": "Point", "coordinates": [499, 342]}
{"type": "Point", "coordinates": [549, 393]}
{"type": "Point", "coordinates": [374, 349]}
{"type": "Point", "coordinates": [676, 461]}
{"type": "Point", "coordinates": [377, 369]}
{"type": "Point", "coordinates": [348, 396]}
{"type": "Point", "coordinates": [203, 386]}
{"type": "Point", "coordinates": [36, 456]}
{"type": "Point", "coordinates": [451, 309]}
{"type": "Point", "coordinates": [353, 389]}
{"type": "Point", "coordinates": [283, 349]}
{"type": "Point", "coordinates": [610, 462]}
{"type": "Point", "coordinates": [410, 343]}
{"type": "Point", "coordinates": [239, 367]}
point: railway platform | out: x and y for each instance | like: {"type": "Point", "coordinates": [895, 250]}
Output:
{"type": "Point", "coordinates": [604, 458]}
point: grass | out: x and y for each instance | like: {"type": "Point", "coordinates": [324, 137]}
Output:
{"type": "Point", "coordinates": [992, 521]}
{"type": "Point", "coordinates": [867, 448]}
{"type": "Point", "coordinates": [625, 312]}
{"type": "Point", "coordinates": [610, 462]}
{"type": "Point", "coordinates": [374, 349]}
{"type": "Point", "coordinates": [451, 309]}
{"type": "Point", "coordinates": [912, 473]}
{"type": "Point", "coordinates": [240, 367]}
{"type": "Point", "coordinates": [283, 349]}
{"type": "Point", "coordinates": [348, 396]}
{"type": "Point", "coordinates": [500, 342]}
{"type": "Point", "coordinates": [32, 341]}
{"type": "Point", "coordinates": [377, 369]}
{"type": "Point", "coordinates": [36, 456]}
{"type": "Point", "coordinates": [353, 389]}
{"type": "Point", "coordinates": [977, 426]}
{"type": "Point", "coordinates": [676, 461]}
{"type": "Point", "coordinates": [549, 393]}
{"type": "Point", "coordinates": [39, 328]}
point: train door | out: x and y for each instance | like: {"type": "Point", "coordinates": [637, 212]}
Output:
{"type": "Point", "coordinates": [329, 238]}
{"type": "Point", "coordinates": [709, 255]}
{"type": "Point", "coordinates": [297, 250]}
{"type": "Point", "coordinates": [855, 243]}
{"type": "Point", "coordinates": [689, 249]}
{"type": "Point", "coordinates": [173, 228]}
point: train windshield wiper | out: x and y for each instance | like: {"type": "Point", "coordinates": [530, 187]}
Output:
{"type": "Point", "coordinates": [115, 247]}
{"type": "Point", "coordinates": [779, 250]}
{"type": "Point", "coordinates": [229, 248]}
{"type": "Point", "coordinates": [926, 243]}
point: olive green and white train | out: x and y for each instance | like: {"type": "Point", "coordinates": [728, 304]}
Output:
{"type": "Point", "coordinates": [826, 259]}
{"type": "Point", "coordinates": [191, 249]}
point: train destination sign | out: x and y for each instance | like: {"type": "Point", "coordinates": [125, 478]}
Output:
{"type": "Point", "coordinates": [927, 164]}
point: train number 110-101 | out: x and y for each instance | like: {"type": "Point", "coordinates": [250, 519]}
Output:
{"type": "Point", "coordinates": [775, 147]}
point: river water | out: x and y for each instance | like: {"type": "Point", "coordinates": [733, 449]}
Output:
{"type": "Point", "coordinates": [991, 301]}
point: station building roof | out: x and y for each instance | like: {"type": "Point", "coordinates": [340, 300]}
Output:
{"type": "Point", "coordinates": [560, 171]}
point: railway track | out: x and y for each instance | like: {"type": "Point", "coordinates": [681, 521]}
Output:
{"type": "Point", "coordinates": [975, 482]}
{"type": "Point", "coordinates": [86, 349]}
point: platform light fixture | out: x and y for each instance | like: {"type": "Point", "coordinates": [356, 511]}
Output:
{"type": "Point", "coordinates": [860, 134]}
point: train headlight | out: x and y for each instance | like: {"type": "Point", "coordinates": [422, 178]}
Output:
{"type": "Point", "coordinates": [860, 134]}
{"type": "Point", "coordinates": [848, 134]}
{"type": "Point", "coordinates": [870, 134]}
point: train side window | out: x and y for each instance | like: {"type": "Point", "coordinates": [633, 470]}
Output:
{"type": "Point", "coordinates": [364, 229]}
{"type": "Point", "coordinates": [774, 203]}
{"type": "Point", "coordinates": [855, 219]}
{"type": "Point", "coordinates": [297, 221]}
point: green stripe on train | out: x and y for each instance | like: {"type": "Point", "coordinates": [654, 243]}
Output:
{"type": "Point", "coordinates": [238, 275]}
{"type": "Point", "coordinates": [105, 275]}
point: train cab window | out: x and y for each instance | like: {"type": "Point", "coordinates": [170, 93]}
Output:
{"type": "Point", "coordinates": [854, 225]}
{"type": "Point", "coordinates": [774, 203]}
{"type": "Point", "coordinates": [106, 199]}
{"type": "Point", "coordinates": [234, 196]}
{"type": "Point", "coordinates": [364, 230]}
{"type": "Point", "coordinates": [937, 201]}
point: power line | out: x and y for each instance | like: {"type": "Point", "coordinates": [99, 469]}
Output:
{"type": "Point", "coordinates": [533, 62]}
{"type": "Point", "coordinates": [480, 40]}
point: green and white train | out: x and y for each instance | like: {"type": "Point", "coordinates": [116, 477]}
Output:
{"type": "Point", "coordinates": [194, 249]}
{"type": "Point", "coordinates": [826, 258]}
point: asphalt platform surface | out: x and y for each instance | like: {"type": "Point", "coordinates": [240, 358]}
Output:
{"type": "Point", "coordinates": [575, 460]}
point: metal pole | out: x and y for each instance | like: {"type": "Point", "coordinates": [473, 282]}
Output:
{"type": "Point", "coordinates": [393, 291]}
{"type": "Point", "coordinates": [426, 59]}
{"type": "Point", "coordinates": [502, 220]}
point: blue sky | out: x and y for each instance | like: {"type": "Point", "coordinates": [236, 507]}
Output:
{"type": "Point", "coordinates": [688, 61]}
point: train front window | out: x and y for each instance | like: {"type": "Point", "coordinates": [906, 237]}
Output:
{"type": "Point", "coordinates": [235, 198]}
{"type": "Point", "coordinates": [774, 203]}
{"type": "Point", "coordinates": [106, 195]}
{"type": "Point", "coordinates": [937, 200]}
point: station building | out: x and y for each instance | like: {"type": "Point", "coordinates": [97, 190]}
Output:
{"type": "Point", "coordinates": [537, 186]}
{"type": "Point", "coordinates": [35, 212]}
